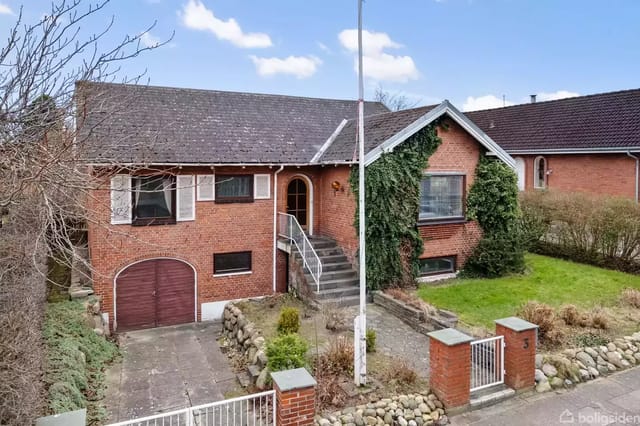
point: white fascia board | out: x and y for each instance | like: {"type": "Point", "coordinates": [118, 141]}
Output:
{"type": "Point", "coordinates": [617, 150]}
{"type": "Point", "coordinates": [329, 141]}
{"type": "Point", "coordinates": [444, 108]}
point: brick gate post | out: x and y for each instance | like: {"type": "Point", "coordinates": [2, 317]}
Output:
{"type": "Point", "coordinates": [520, 338]}
{"type": "Point", "coordinates": [450, 365]}
{"type": "Point", "coordinates": [295, 396]}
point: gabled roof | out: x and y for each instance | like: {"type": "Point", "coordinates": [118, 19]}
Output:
{"type": "Point", "coordinates": [383, 132]}
{"type": "Point", "coordinates": [163, 125]}
{"type": "Point", "coordinates": [607, 122]}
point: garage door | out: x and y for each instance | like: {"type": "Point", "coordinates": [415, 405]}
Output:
{"type": "Point", "coordinates": [155, 293]}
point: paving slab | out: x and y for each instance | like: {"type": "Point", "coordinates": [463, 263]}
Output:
{"type": "Point", "coordinates": [608, 400]}
{"type": "Point", "coordinates": [168, 368]}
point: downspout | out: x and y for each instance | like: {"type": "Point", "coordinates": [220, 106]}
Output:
{"type": "Point", "coordinates": [637, 170]}
{"type": "Point", "coordinates": [275, 223]}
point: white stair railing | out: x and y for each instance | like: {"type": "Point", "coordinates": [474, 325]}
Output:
{"type": "Point", "coordinates": [288, 227]}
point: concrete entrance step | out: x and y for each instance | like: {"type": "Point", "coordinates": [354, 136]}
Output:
{"type": "Point", "coordinates": [489, 396]}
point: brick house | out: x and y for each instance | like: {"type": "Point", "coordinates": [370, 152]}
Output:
{"type": "Point", "coordinates": [198, 189]}
{"type": "Point", "coordinates": [583, 144]}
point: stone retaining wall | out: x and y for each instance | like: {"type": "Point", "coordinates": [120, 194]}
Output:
{"type": "Point", "coordinates": [248, 340]}
{"type": "Point", "coordinates": [403, 410]}
{"type": "Point", "coordinates": [418, 319]}
{"type": "Point", "coordinates": [573, 366]}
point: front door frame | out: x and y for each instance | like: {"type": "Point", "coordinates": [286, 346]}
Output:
{"type": "Point", "coordinates": [309, 183]}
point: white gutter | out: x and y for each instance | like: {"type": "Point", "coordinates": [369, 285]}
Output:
{"type": "Point", "coordinates": [637, 170]}
{"type": "Point", "coordinates": [621, 150]}
{"type": "Point", "coordinates": [115, 164]}
{"type": "Point", "coordinates": [275, 225]}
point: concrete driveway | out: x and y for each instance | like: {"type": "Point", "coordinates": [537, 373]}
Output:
{"type": "Point", "coordinates": [168, 368]}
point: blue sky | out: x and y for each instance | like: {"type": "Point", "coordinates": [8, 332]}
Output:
{"type": "Point", "coordinates": [471, 52]}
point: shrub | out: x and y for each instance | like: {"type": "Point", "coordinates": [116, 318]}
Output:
{"type": "Point", "coordinates": [599, 319]}
{"type": "Point", "coordinates": [555, 337]}
{"type": "Point", "coordinates": [289, 321]}
{"type": "Point", "coordinates": [338, 357]}
{"type": "Point", "coordinates": [496, 255]}
{"type": "Point", "coordinates": [76, 358]}
{"type": "Point", "coordinates": [570, 314]}
{"type": "Point", "coordinates": [603, 231]}
{"type": "Point", "coordinates": [590, 339]}
{"type": "Point", "coordinates": [371, 340]}
{"type": "Point", "coordinates": [400, 372]}
{"type": "Point", "coordinates": [286, 352]}
{"type": "Point", "coordinates": [542, 315]}
{"type": "Point", "coordinates": [631, 297]}
{"type": "Point", "coordinates": [335, 317]}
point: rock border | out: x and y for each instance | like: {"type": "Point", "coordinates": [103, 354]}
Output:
{"type": "Point", "coordinates": [572, 366]}
{"type": "Point", "coordinates": [417, 319]}
{"type": "Point", "coordinates": [421, 409]}
{"type": "Point", "coordinates": [247, 339]}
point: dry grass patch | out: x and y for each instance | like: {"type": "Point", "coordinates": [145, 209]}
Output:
{"type": "Point", "coordinates": [630, 297]}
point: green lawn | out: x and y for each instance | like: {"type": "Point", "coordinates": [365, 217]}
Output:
{"type": "Point", "coordinates": [548, 280]}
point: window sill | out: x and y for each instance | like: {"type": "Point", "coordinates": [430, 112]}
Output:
{"type": "Point", "coordinates": [235, 201]}
{"type": "Point", "coordinates": [153, 222]}
{"type": "Point", "coordinates": [454, 220]}
{"type": "Point", "coordinates": [230, 274]}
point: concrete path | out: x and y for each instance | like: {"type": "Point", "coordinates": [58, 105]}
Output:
{"type": "Point", "coordinates": [397, 339]}
{"type": "Point", "coordinates": [612, 400]}
{"type": "Point", "coordinates": [168, 368]}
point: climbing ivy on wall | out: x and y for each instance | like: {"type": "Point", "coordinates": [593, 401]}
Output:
{"type": "Point", "coordinates": [493, 202]}
{"type": "Point", "coordinates": [392, 194]}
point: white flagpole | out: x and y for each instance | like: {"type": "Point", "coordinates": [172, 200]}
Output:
{"type": "Point", "coordinates": [360, 365]}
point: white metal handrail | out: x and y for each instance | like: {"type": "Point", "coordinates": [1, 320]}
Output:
{"type": "Point", "coordinates": [288, 227]}
{"type": "Point", "coordinates": [258, 409]}
{"type": "Point", "coordinates": [487, 362]}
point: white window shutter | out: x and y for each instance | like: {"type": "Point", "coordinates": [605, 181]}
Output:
{"type": "Point", "coordinates": [262, 187]}
{"type": "Point", "coordinates": [206, 188]}
{"type": "Point", "coordinates": [120, 199]}
{"type": "Point", "coordinates": [186, 197]}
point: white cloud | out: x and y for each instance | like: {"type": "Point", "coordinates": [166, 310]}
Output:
{"type": "Point", "coordinates": [299, 66]}
{"type": "Point", "coordinates": [377, 64]}
{"type": "Point", "coordinates": [560, 94]}
{"type": "Point", "coordinates": [324, 47]}
{"type": "Point", "coordinates": [149, 40]}
{"type": "Point", "coordinates": [196, 16]}
{"type": "Point", "coordinates": [5, 10]}
{"type": "Point", "coordinates": [484, 102]}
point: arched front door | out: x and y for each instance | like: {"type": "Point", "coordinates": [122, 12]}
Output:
{"type": "Point", "coordinates": [155, 293]}
{"type": "Point", "coordinates": [298, 201]}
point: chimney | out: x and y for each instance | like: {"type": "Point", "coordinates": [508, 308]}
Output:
{"type": "Point", "coordinates": [533, 99]}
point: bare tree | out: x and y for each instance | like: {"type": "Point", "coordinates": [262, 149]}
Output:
{"type": "Point", "coordinates": [394, 101]}
{"type": "Point", "coordinates": [45, 182]}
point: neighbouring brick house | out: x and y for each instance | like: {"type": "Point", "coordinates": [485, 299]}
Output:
{"type": "Point", "coordinates": [198, 187]}
{"type": "Point", "coordinates": [583, 144]}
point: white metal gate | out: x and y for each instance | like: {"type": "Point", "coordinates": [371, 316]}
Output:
{"type": "Point", "coordinates": [487, 362]}
{"type": "Point", "coordinates": [258, 409]}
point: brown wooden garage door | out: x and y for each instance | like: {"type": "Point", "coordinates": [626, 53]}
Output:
{"type": "Point", "coordinates": [155, 293]}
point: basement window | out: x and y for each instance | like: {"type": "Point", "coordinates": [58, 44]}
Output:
{"type": "Point", "coordinates": [437, 265]}
{"type": "Point", "coordinates": [232, 263]}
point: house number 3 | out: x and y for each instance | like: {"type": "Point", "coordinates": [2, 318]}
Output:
{"type": "Point", "coordinates": [526, 343]}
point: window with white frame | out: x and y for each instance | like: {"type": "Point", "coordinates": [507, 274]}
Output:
{"type": "Point", "coordinates": [153, 199]}
{"type": "Point", "coordinates": [442, 197]}
{"type": "Point", "coordinates": [540, 173]}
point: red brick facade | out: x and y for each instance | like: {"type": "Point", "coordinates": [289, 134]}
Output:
{"type": "Point", "coordinates": [295, 407]}
{"type": "Point", "coordinates": [600, 174]}
{"type": "Point", "coordinates": [223, 228]}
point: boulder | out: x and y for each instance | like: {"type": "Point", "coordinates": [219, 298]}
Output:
{"type": "Point", "coordinates": [615, 358]}
{"type": "Point", "coordinates": [539, 360]}
{"type": "Point", "coordinates": [592, 352]}
{"type": "Point", "coordinates": [540, 377]}
{"type": "Point", "coordinates": [593, 372]}
{"type": "Point", "coordinates": [557, 382]}
{"type": "Point", "coordinates": [585, 359]}
{"type": "Point", "coordinates": [549, 370]}
{"type": "Point", "coordinates": [263, 377]}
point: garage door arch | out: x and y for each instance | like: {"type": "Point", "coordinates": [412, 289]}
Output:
{"type": "Point", "coordinates": [155, 292]}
